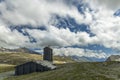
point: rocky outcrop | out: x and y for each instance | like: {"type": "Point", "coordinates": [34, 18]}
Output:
{"type": "Point", "coordinates": [113, 58]}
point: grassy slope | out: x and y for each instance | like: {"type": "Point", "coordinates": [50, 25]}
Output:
{"type": "Point", "coordinates": [77, 71]}
{"type": "Point", "coordinates": [19, 58]}
{"type": "Point", "coordinates": [61, 60]}
{"type": "Point", "coordinates": [9, 60]}
{"type": "Point", "coordinates": [6, 67]}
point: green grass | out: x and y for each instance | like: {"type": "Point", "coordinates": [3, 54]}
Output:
{"type": "Point", "coordinates": [77, 71]}
{"type": "Point", "coordinates": [6, 67]}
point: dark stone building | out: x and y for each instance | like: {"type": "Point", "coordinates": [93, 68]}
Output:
{"type": "Point", "coordinates": [37, 66]}
{"type": "Point", "coordinates": [48, 54]}
{"type": "Point", "coordinates": [34, 66]}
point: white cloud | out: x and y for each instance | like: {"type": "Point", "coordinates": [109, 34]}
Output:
{"type": "Point", "coordinates": [110, 4]}
{"type": "Point", "coordinates": [79, 52]}
{"type": "Point", "coordinates": [61, 37]}
{"type": "Point", "coordinates": [39, 12]}
{"type": "Point", "coordinates": [106, 26]}
{"type": "Point", "coordinates": [14, 38]}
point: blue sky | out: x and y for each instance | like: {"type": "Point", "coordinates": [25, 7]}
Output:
{"type": "Point", "coordinates": [72, 27]}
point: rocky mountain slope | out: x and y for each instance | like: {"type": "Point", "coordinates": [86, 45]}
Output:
{"type": "Point", "coordinates": [20, 50]}
{"type": "Point", "coordinates": [113, 58]}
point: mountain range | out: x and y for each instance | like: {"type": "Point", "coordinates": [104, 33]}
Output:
{"type": "Point", "coordinates": [75, 58]}
{"type": "Point", "coordinates": [87, 59]}
{"type": "Point", "coordinates": [21, 50]}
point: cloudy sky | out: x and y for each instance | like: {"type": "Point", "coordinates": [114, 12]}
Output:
{"type": "Point", "coordinates": [88, 28]}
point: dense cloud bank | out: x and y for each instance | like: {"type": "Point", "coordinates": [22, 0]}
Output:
{"type": "Point", "coordinates": [36, 13]}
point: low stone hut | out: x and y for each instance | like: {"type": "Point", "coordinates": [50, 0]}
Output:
{"type": "Point", "coordinates": [37, 66]}
{"type": "Point", "coordinates": [34, 66]}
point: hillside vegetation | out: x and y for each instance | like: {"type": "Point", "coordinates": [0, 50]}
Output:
{"type": "Point", "coordinates": [6, 67]}
{"type": "Point", "coordinates": [19, 58]}
{"type": "Point", "coordinates": [77, 71]}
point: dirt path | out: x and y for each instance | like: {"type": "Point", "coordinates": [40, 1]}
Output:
{"type": "Point", "coordinates": [6, 74]}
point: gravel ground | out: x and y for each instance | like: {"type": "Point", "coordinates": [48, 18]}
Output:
{"type": "Point", "coordinates": [6, 74]}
